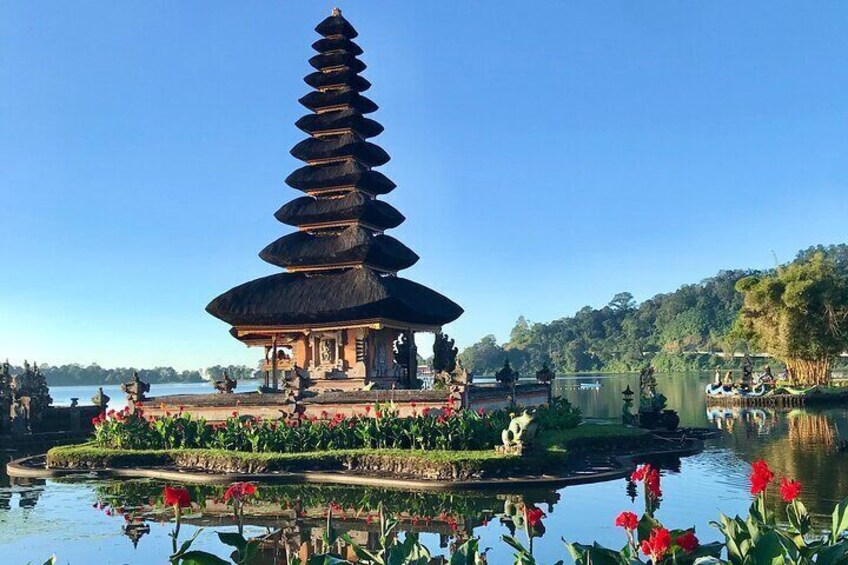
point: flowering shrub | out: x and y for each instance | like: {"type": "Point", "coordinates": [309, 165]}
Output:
{"type": "Point", "coordinates": [747, 541]}
{"type": "Point", "coordinates": [383, 427]}
{"type": "Point", "coordinates": [126, 429]}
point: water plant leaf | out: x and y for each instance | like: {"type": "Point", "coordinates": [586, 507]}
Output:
{"type": "Point", "coordinates": [768, 550]}
{"type": "Point", "coordinates": [839, 520]}
{"type": "Point", "coordinates": [201, 558]}
{"type": "Point", "coordinates": [233, 540]}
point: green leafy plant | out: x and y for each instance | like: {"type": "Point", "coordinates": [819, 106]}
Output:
{"type": "Point", "coordinates": [447, 428]}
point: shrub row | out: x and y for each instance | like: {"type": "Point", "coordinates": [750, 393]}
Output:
{"type": "Point", "coordinates": [383, 428]}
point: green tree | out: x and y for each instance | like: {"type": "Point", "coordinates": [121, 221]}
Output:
{"type": "Point", "coordinates": [799, 314]}
{"type": "Point", "coordinates": [484, 357]}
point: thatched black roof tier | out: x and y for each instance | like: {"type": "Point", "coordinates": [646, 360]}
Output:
{"type": "Point", "coordinates": [350, 208]}
{"type": "Point", "coordinates": [330, 44]}
{"type": "Point", "coordinates": [336, 24]}
{"type": "Point", "coordinates": [341, 263]}
{"type": "Point", "coordinates": [317, 101]}
{"type": "Point", "coordinates": [338, 146]}
{"type": "Point", "coordinates": [340, 120]}
{"type": "Point", "coordinates": [337, 59]}
{"type": "Point", "coordinates": [298, 299]}
{"type": "Point", "coordinates": [348, 174]}
{"type": "Point", "coordinates": [355, 245]}
{"type": "Point", "coordinates": [344, 78]}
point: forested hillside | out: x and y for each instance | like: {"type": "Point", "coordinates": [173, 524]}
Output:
{"type": "Point", "coordinates": [674, 331]}
{"type": "Point", "coordinates": [94, 374]}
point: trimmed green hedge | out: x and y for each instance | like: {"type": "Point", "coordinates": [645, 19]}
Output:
{"type": "Point", "coordinates": [441, 465]}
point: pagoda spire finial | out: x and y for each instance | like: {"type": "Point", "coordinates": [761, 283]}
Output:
{"type": "Point", "coordinates": [337, 11]}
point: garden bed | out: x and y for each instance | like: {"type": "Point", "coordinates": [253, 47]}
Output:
{"type": "Point", "coordinates": [413, 464]}
{"type": "Point", "coordinates": [552, 458]}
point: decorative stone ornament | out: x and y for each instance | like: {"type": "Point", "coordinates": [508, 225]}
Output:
{"type": "Point", "coordinates": [135, 389]}
{"type": "Point", "coordinates": [519, 436]}
{"type": "Point", "coordinates": [226, 385]}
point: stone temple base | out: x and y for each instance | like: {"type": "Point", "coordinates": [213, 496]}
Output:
{"type": "Point", "coordinates": [218, 407]}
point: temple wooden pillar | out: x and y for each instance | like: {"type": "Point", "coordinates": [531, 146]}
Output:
{"type": "Point", "coordinates": [274, 378]}
{"type": "Point", "coordinates": [265, 371]}
{"type": "Point", "coordinates": [412, 360]}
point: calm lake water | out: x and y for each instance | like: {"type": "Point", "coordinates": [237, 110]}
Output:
{"type": "Point", "coordinates": [38, 518]}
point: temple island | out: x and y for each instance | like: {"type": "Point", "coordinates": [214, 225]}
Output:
{"type": "Point", "coordinates": [338, 326]}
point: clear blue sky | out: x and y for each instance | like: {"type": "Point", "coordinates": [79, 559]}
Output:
{"type": "Point", "coordinates": [547, 155]}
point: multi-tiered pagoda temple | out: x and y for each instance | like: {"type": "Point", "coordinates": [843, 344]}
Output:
{"type": "Point", "coordinates": [334, 318]}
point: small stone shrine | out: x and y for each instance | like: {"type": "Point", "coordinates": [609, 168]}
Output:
{"type": "Point", "coordinates": [135, 389]}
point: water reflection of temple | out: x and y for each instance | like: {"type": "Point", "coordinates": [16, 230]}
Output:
{"type": "Point", "coordinates": [293, 519]}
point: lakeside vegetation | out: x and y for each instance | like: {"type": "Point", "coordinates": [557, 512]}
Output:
{"type": "Point", "coordinates": [75, 374]}
{"type": "Point", "coordinates": [678, 331]}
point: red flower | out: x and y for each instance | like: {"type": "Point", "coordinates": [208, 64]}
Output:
{"type": "Point", "coordinates": [378, 413]}
{"type": "Point", "coordinates": [688, 542]}
{"type": "Point", "coordinates": [239, 491]}
{"type": "Point", "coordinates": [235, 414]}
{"type": "Point", "coordinates": [413, 404]}
{"type": "Point", "coordinates": [627, 520]}
{"type": "Point", "coordinates": [640, 472]}
{"type": "Point", "coordinates": [481, 411]}
{"type": "Point", "coordinates": [176, 496]}
{"type": "Point", "coordinates": [761, 476]}
{"type": "Point", "coordinates": [657, 545]}
{"type": "Point", "coordinates": [367, 409]}
{"type": "Point", "coordinates": [425, 411]}
{"type": "Point", "coordinates": [789, 490]}
{"type": "Point", "coordinates": [534, 516]}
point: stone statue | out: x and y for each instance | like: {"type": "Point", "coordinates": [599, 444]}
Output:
{"type": "Point", "coordinates": [519, 436]}
{"type": "Point", "coordinates": [444, 354]}
{"type": "Point", "coordinates": [6, 396]}
{"type": "Point", "coordinates": [545, 375]}
{"type": "Point", "coordinates": [20, 414]}
{"type": "Point", "coordinates": [406, 357]}
{"type": "Point", "coordinates": [226, 385]}
{"type": "Point", "coordinates": [505, 375]}
{"type": "Point", "coordinates": [31, 387]}
{"type": "Point", "coordinates": [459, 381]}
{"type": "Point", "coordinates": [135, 389]}
{"type": "Point", "coordinates": [100, 400]}
{"type": "Point", "coordinates": [293, 384]}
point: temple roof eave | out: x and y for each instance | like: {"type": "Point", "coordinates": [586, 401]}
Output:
{"type": "Point", "coordinates": [298, 299]}
{"type": "Point", "coordinates": [259, 333]}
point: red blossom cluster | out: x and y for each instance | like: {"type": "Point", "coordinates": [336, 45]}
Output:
{"type": "Point", "coordinates": [657, 545]}
{"type": "Point", "coordinates": [627, 520]}
{"type": "Point", "coordinates": [760, 477]}
{"type": "Point", "coordinates": [687, 541]}
{"type": "Point", "coordinates": [116, 415]}
{"type": "Point", "coordinates": [789, 490]}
